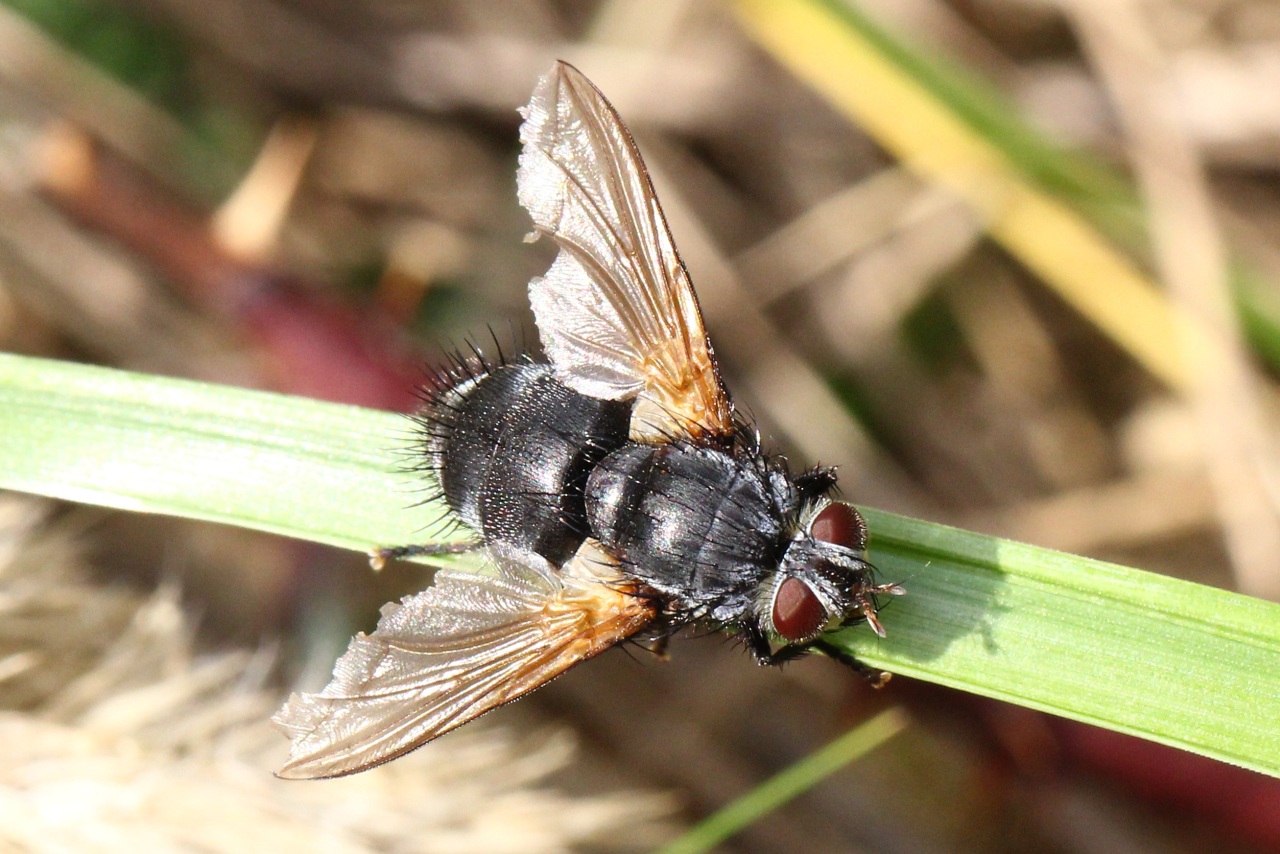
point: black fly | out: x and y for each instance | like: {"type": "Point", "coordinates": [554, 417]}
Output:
{"type": "Point", "coordinates": [612, 490]}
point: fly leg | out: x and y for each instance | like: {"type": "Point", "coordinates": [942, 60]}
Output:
{"type": "Point", "coordinates": [657, 646]}
{"type": "Point", "coordinates": [378, 557]}
{"type": "Point", "coordinates": [816, 482]}
{"type": "Point", "coordinates": [876, 678]}
{"type": "Point", "coordinates": [761, 650]}
{"type": "Point", "coordinates": [765, 655]}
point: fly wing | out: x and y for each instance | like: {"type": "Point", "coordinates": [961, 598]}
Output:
{"type": "Point", "coordinates": [617, 313]}
{"type": "Point", "coordinates": [468, 644]}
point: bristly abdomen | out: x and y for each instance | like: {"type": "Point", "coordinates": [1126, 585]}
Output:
{"type": "Point", "coordinates": [511, 447]}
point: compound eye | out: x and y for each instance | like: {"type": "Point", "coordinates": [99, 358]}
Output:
{"type": "Point", "coordinates": [841, 525]}
{"type": "Point", "coordinates": [798, 614]}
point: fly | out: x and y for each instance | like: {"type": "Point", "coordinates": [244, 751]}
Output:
{"type": "Point", "coordinates": [613, 490]}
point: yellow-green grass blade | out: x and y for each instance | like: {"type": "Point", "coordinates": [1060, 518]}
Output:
{"type": "Point", "coordinates": [1058, 212]}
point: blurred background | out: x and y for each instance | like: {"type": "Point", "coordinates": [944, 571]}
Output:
{"type": "Point", "coordinates": [1019, 277]}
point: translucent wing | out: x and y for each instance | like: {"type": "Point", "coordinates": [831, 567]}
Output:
{"type": "Point", "coordinates": [617, 313]}
{"type": "Point", "coordinates": [468, 644]}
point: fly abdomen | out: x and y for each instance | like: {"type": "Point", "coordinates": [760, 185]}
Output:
{"type": "Point", "coordinates": [512, 447]}
{"type": "Point", "coordinates": [691, 521]}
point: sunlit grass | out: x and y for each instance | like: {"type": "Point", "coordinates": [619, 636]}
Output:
{"type": "Point", "coordinates": [1164, 659]}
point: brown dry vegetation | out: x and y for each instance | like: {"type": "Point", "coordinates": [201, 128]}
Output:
{"type": "Point", "coordinates": [869, 309]}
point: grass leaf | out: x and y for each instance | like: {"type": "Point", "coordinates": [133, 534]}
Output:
{"type": "Point", "coordinates": [1167, 660]}
{"type": "Point", "coordinates": [790, 783]}
{"type": "Point", "coordinates": [303, 468]}
{"type": "Point", "coordinates": [1058, 212]}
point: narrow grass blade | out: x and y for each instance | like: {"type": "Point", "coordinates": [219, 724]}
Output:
{"type": "Point", "coordinates": [863, 75]}
{"type": "Point", "coordinates": [789, 784]}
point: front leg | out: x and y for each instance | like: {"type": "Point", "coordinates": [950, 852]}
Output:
{"type": "Point", "coordinates": [764, 655]}
{"type": "Point", "coordinates": [762, 651]}
{"type": "Point", "coordinates": [817, 482]}
{"type": "Point", "coordinates": [877, 678]}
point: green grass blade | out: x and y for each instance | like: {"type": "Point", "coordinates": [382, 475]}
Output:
{"type": "Point", "coordinates": [1179, 663]}
{"type": "Point", "coordinates": [794, 781]}
{"type": "Point", "coordinates": [1163, 659]}
{"type": "Point", "coordinates": [303, 468]}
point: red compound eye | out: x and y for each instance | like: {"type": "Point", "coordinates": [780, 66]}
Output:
{"type": "Point", "coordinates": [840, 525]}
{"type": "Point", "coordinates": [797, 612]}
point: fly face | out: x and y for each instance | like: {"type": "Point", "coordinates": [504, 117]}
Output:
{"type": "Point", "coordinates": [823, 582]}
{"type": "Point", "coordinates": [612, 490]}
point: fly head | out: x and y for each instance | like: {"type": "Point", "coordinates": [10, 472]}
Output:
{"type": "Point", "coordinates": [823, 581]}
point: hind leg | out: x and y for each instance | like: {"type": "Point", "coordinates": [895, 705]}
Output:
{"type": "Point", "coordinates": [378, 557]}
